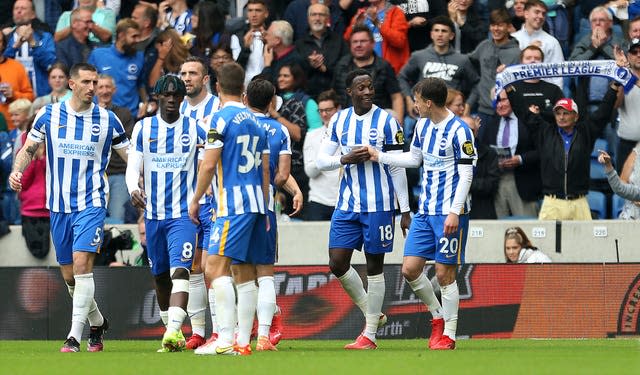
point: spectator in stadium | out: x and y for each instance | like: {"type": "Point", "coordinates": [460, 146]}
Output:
{"type": "Point", "coordinates": [386, 88]}
{"type": "Point", "coordinates": [175, 14]}
{"type": "Point", "coordinates": [126, 66]}
{"type": "Point", "coordinates": [76, 47]}
{"type": "Point", "coordinates": [367, 200]}
{"type": "Point", "coordinates": [250, 57]}
{"type": "Point", "coordinates": [323, 185]}
{"type": "Point", "coordinates": [171, 55]}
{"type": "Point", "coordinates": [438, 231]}
{"type": "Point", "coordinates": [59, 82]}
{"type": "Point", "coordinates": [486, 176]}
{"type": "Point", "coordinates": [101, 29]}
{"type": "Point", "coordinates": [597, 45]}
{"type": "Point", "coordinates": [455, 102]}
{"type": "Point", "coordinates": [221, 55]}
{"type": "Point", "coordinates": [519, 249]}
{"type": "Point", "coordinates": [500, 50]}
{"type": "Point", "coordinates": [438, 60]}
{"type": "Point", "coordinates": [536, 91]}
{"type": "Point", "coordinates": [14, 83]}
{"type": "Point", "coordinates": [418, 14]}
{"type": "Point", "coordinates": [517, 15]}
{"type": "Point", "coordinates": [322, 47]}
{"type": "Point", "coordinates": [628, 106]}
{"type": "Point", "coordinates": [30, 43]}
{"type": "Point", "coordinates": [77, 234]}
{"type": "Point", "coordinates": [634, 29]}
{"type": "Point", "coordinates": [172, 235]}
{"type": "Point", "coordinates": [301, 111]}
{"type": "Point", "coordinates": [209, 31]}
{"type": "Point", "coordinates": [20, 112]}
{"type": "Point", "coordinates": [519, 161]}
{"type": "Point", "coordinates": [565, 148]}
{"type": "Point", "coordinates": [631, 175]}
{"type": "Point", "coordinates": [470, 30]}
{"type": "Point", "coordinates": [23, 12]}
{"type": "Point", "coordinates": [531, 32]}
{"type": "Point", "coordinates": [297, 11]}
{"type": "Point", "coordinates": [279, 50]}
{"type": "Point", "coordinates": [146, 17]}
{"type": "Point", "coordinates": [118, 195]}
{"type": "Point", "coordinates": [389, 27]}
{"type": "Point", "coordinates": [627, 191]}
{"type": "Point", "coordinates": [35, 215]}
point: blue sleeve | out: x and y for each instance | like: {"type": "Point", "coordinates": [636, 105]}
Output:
{"type": "Point", "coordinates": [44, 54]}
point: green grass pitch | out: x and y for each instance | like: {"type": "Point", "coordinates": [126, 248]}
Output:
{"type": "Point", "coordinates": [589, 356]}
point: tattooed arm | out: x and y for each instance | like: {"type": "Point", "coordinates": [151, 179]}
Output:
{"type": "Point", "coordinates": [21, 162]}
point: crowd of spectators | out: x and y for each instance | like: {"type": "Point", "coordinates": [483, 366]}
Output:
{"type": "Point", "coordinates": [307, 47]}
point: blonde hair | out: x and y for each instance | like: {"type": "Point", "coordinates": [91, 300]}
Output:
{"type": "Point", "coordinates": [20, 105]}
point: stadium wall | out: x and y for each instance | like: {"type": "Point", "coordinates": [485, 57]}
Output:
{"type": "Point", "coordinates": [497, 301]}
{"type": "Point", "coordinates": [305, 243]}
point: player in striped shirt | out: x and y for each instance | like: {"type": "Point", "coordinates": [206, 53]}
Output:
{"type": "Point", "coordinates": [79, 136]}
{"type": "Point", "coordinates": [238, 152]}
{"type": "Point", "coordinates": [261, 95]}
{"type": "Point", "coordinates": [364, 212]}
{"type": "Point", "coordinates": [165, 147]}
{"type": "Point", "coordinates": [444, 145]}
{"type": "Point", "coordinates": [199, 104]}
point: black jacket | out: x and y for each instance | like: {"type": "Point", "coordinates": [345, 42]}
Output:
{"type": "Point", "coordinates": [333, 48]}
{"type": "Point", "coordinates": [385, 82]}
{"type": "Point", "coordinates": [527, 175]}
{"type": "Point", "coordinates": [566, 173]}
{"type": "Point", "coordinates": [486, 177]}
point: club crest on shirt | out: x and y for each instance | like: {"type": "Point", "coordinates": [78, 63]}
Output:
{"type": "Point", "coordinates": [443, 143]}
{"type": "Point", "coordinates": [467, 148]}
{"type": "Point", "coordinates": [185, 140]}
{"type": "Point", "coordinates": [95, 129]}
{"type": "Point", "coordinates": [132, 69]}
{"type": "Point", "coordinates": [373, 134]}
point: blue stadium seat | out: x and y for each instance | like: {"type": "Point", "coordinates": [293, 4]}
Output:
{"type": "Point", "coordinates": [596, 171]}
{"type": "Point", "coordinates": [598, 203]}
{"type": "Point", "coordinates": [616, 203]}
{"type": "Point", "coordinates": [601, 144]}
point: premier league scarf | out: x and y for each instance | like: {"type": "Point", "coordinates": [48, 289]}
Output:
{"type": "Point", "coordinates": [600, 68]}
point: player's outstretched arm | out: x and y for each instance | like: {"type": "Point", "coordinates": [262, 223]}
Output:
{"type": "Point", "coordinates": [21, 162]}
{"type": "Point", "coordinates": [411, 159]}
{"type": "Point", "coordinates": [291, 187]}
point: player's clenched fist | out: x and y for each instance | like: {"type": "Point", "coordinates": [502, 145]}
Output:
{"type": "Point", "coordinates": [15, 180]}
{"type": "Point", "coordinates": [138, 199]}
{"type": "Point", "coordinates": [194, 212]}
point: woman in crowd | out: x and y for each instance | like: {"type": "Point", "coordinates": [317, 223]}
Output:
{"type": "Point", "coordinates": [35, 216]}
{"type": "Point", "coordinates": [59, 82]}
{"type": "Point", "coordinates": [455, 102]}
{"type": "Point", "coordinates": [172, 52]}
{"type": "Point", "coordinates": [519, 249]}
{"type": "Point", "coordinates": [625, 190]}
{"type": "Point", "coordinates": [208, 32]}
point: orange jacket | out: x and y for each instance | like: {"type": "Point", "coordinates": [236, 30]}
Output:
{"type": "Point", "coordinates": [13, 73]}
{"type": "Point", "coordinates": [395, 43]}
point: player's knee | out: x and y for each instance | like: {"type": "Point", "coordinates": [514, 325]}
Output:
{"type": "Point", "coordinates": [163, 280]}
{"type": "Point", "coordinates": [445, 276]}
{"type": "Point", "coordinates": [179, 273]}
{"type": "Point", "coordinates": [338, 266]}
{"type": "Point", "coordinates": [410, 273]}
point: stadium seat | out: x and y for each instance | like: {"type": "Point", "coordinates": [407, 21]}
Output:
{"type": "Point", "coordinates": [596, 172]}
{"type": "Point", "coordinates": [616, 203]}
{"type": "Point", "coordinates": [601, 144]}
{"type": "Point", "coordinates": [597, 203]}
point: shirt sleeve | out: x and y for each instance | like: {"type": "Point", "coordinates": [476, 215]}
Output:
{"type": "Point", "coordinates": [39, 128]}
{"type": "Point", "coordinates": [216, 132]}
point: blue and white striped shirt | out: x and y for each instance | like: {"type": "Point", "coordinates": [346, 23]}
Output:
{"type": "Point", "coordinates": [368, 186]}
{"type": "Point", "coordinates": [443, 146]}
{"type": "Point", "coordinates": [279, 144]}
{"type": "Point", "coordinates": [78, 146]}
{"type": "Point", "coordinates": [239, 170]}
{"type": "Point", "coordinates": [206, 108]}
{"type": "Point", "coordinates": [170, 164]}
